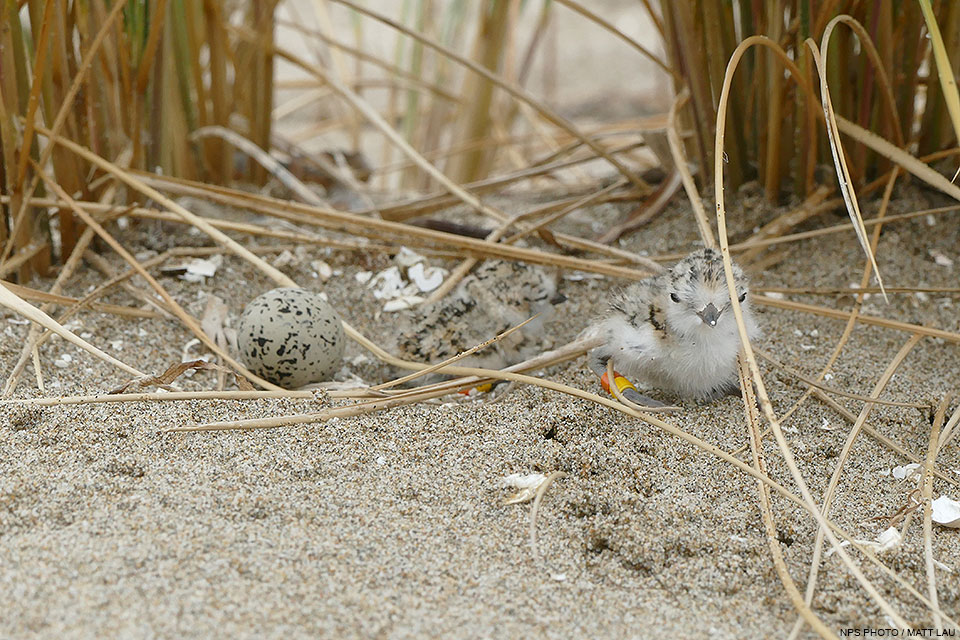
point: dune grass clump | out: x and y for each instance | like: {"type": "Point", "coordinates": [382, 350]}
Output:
{"type": "Point", "coordinates": [129, 81]}
{"type": "Point", "coordinates": [881, 64]}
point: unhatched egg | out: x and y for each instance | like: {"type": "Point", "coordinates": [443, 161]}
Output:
{"type": "Point", "coordinates": [291, 337]}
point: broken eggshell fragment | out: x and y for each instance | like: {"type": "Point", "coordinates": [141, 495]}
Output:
{"type": "Point", "coordinates": [946, 512]}
{"type": "Point", "coordinates": [291, 337]}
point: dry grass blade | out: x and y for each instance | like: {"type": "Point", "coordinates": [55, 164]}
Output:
{"type": "Point", "coordinates": [764, 398]}
{"type": "Point", "coordinates": [35, 355]}
{"type": "Point", "coordinates": [845, 453]}
{"type": "Point", "coordinates": [263, 158]}
{"type": "Point", "coordinates": [44, 296]}
{"type": "Point", "coordinates": [680, 164]}
{"type": "Point", "coordinates": [950, 430]}
{"type": "Point", "coordinates": [22, 257]}
{"type": "Point", "coordinates": [651, 207]}
{"type": "Point", "coordinates": [948, 83]}
{"type": "Point", "coordinates": [847, 291]}
{"type": "Point", "coordinates": [17, 304]}
{"type": "Point", "coordinates": [756, 448]}
{"type": "Point", "coordinates": [836, 148]}
{"type": "Point", "coordinates": [174, 371]}
{"type": "Point", "coordinates": [908, 162]}
{"type": "Point", "coordinates": [870, 48]}
{"type": "Point", "coordinates": [926, 489]}
{"type": "Point", "coordinates": [535, 510]}
{"type": "Point", "coordinates": [949, 336]}
{"type": "Point", "coordinates": [449, 361]}
{"type": "Point", "coordinates": [164, 396]}
{"type": "Point", "coordinates": [824, 231]}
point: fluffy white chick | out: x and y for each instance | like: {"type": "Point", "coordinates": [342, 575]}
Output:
{"type": "Point", "coordinates": [676, 331]}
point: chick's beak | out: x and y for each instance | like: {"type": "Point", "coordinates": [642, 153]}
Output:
{"type": "Point", "coordinates": [709, 315]}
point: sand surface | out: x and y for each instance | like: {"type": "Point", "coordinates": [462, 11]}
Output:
{"type": "Point", "coordinates": [394, 525]}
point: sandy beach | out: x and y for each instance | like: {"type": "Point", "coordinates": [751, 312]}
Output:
{"type": "Point", "coordinates": [394, 525]}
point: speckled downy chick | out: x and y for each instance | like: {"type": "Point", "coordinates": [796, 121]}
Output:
{"type": "Point", "coordinates": [676, 330]}
{"type": "Point", "coordinates": [497, 295]}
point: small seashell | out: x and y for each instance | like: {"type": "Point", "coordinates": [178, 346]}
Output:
{"type": "Point", "coordinates": [426, 278]}
{"type": "Point", "coordinates": [407, 258]}
{"type": "Point", "coordinates": [527, 485]}
{"type": "Point", "coordinates": [285, 259]}
{"type": "Point", "coordinates": [387, 284]}
{"type": "Point", "coordinates": [401, 303]}
{"type": "Point", "coordinates": [941, 259]}
{"type": "Point", "coordinates": [198, 269]}
{"type": "Point", "coordinates": [906, 471]}
{"type": "Point", "coordinates": [887, 542]}
{"type": "Point", "coordinates": [322, 269]}
{"type": "Point", "coordinates": [946, 512]}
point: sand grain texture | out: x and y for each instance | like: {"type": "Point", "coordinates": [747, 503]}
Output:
{"type": "Point", "coordinates": [393, 525]}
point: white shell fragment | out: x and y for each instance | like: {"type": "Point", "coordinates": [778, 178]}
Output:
{"type": "Point", "coordinates": [946, 512]}
{"type": "Point", "coordinates": [886, 542]}
{"type": "Point", "coordinates": [406, 258]}
{"type": "Point", "coordinates": [199, 269]}
{"type": "Point", "coordinates": [577, 276]}
{"type": "Point", "coordinates": [426, 278]}
{"type": "Point", "coordinates": [401, 303]}
{"type": "Point", "coordinates": [387, 284]}
{"type": "Point", "coordinates": [322, 269]}
{"type": "Point", "coordinates": [906, 471]}
{"type": "Point", "coordinates": [527, 485]}
{"type": "Point", "coordinates": [399, 286]}
{"type": "Point", "coordinates": [940, 258]}
{"type": "Point", "coordinates": [291, 337]}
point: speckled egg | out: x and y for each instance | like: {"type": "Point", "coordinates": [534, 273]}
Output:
{"type": "Point", "coordinates": [291, 337]}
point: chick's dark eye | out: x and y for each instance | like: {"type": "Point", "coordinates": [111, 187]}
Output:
{"type": "Point", "coordinates": [675, 297]}
{"type": "Point", "coordinates": [743, 296]}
